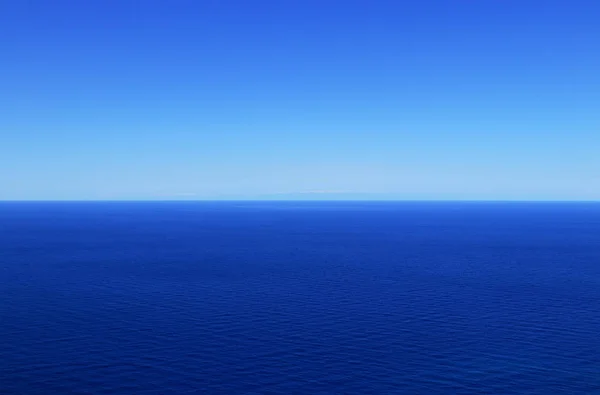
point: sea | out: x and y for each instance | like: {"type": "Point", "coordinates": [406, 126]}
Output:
{"type": "Point", "coordinates": [299, 298]}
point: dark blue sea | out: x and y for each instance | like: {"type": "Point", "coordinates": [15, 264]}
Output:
{"type": "Point", "coordinates": [299, 298]}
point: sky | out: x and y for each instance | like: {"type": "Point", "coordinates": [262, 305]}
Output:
{"type": "Point", "coordinates": [300, 99]}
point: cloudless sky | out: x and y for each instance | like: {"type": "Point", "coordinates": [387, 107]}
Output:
{"type": "Point", "coordinates": [209, 99]}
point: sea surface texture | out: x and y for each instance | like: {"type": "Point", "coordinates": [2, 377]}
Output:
{"type": "Point", "coordinates": [299, 298]}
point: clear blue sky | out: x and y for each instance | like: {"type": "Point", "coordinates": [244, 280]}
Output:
{"type": "Point", "coordinates": [175, 99]}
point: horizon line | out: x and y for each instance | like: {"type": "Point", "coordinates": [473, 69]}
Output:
{"type": "Point", "coordinates": [296, 200]}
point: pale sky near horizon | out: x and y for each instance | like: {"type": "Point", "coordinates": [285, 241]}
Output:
{"type": "Point", "coordinates": [181, 99]}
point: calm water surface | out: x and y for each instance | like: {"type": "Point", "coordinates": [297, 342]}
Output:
{"type": "Point", "coordinates": [299, 298]}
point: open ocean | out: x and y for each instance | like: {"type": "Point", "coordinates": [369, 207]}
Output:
{"type": "Point", "coordinates": [299, 298]}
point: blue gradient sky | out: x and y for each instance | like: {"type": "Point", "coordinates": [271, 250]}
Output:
{"type": "Point", "coordinates": [429, 99]}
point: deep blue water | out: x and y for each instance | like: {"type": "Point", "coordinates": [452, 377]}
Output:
{"type": "Point", "coordinates": [299, 298]}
